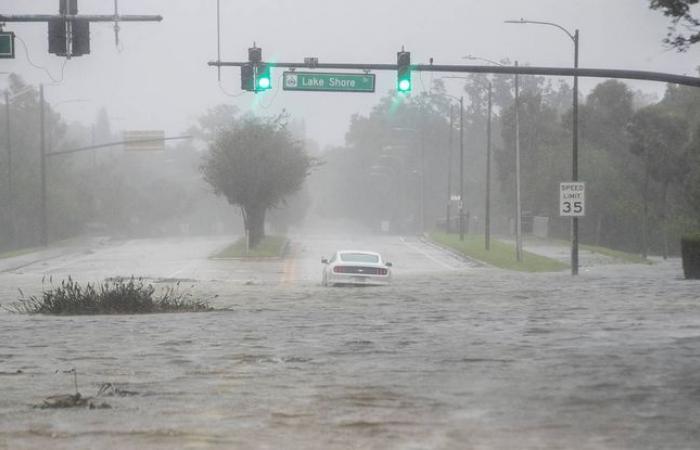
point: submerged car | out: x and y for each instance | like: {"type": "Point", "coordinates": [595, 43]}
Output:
{"type": "Point", "coordinates": [356, 268]}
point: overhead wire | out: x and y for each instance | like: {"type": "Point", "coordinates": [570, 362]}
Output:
{"type": "Point", "coordinates": [274, 97]}
{"type": "Point", "coordinates": [31, 63]}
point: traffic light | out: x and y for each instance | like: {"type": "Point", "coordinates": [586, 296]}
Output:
{"type": "Point", "coordinates": [263, 82]}
{"type": "Point", "coordinates": [57, 37]}
{"type": "Point", "coordinates": [80, 32]}
{"type": "Point", "coordinates": [255, 76]}
{"type": "Point", "coordinates": [403, 74]}
{"type": "Point", "coordinates": [247, 77]}
{"type": "Point", "coordinates": [81, 38]}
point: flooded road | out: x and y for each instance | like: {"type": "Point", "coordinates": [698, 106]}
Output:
{"type": "Point", "coordinates": [452, 356]}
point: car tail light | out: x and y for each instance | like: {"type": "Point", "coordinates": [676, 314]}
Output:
{"type": "Point", "coordinates": [338, 269]}
{"type": "Point", "coordinates": [383, 271]}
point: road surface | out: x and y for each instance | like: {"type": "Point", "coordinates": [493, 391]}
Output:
{"type": "Point", "coordinates": [451, 356]}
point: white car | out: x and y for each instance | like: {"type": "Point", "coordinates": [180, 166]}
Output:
{"type": "Point", "coordinates": [356, 267]}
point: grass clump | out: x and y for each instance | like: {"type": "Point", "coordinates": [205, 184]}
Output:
{"type": "Point", "coordinates": [119, 296]}
{"type": "Point", "coordinates": [269, 247]}
{"type": "Point", "coordinates": [500, 255]}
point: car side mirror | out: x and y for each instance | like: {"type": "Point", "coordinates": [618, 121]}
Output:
{"type": "Point", "coordinates": [324, 261]}
{"type": "Point", "coordinates": [388, 264]}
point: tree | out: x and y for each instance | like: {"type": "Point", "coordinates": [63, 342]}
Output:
{"type": "Point", "coordinates": [679, 11]}
{"type": "Point", "coordinates": [255, 163]}
{"type": "Point", "coordinates": [662, 139]}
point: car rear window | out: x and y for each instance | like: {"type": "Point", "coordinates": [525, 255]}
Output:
{"type": "Point", "coordinates": [359, 257]}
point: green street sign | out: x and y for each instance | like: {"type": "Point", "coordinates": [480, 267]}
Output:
{"type": "Point", "coordinates": [328, 82]}
{"type": "Point", "coordinates": [7, 44]}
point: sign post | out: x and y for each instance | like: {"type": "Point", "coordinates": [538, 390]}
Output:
{"type": "Point", "coordinates": [328, 82]}
{"type": "Point", "coordinates": [572, 199]}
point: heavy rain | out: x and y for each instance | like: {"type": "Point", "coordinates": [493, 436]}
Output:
{"type": "Point", "coordinates": [335, 225]}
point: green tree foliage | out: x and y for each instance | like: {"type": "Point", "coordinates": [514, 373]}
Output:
{"type": "Point", "coordinates": [681, 18]}
{"type": "Point", "coordinates": [255, 163]}
{"type": "Point", "coordinates": [661, 139]}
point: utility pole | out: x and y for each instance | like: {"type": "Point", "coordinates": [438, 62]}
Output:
{"type": "Point", "coordinates": [518, 209]}
{"type": "Point", "coordinates": [487, 219]}
{"type": "Point", "coordinates": [449, 169]}
{"type": "Point", "coordinates": [8, 137]}
{"type": "Point", "coordinates": [422, 172]}
{"type": "Point", "coordinates": [461, 168]}
{"type": "Point", "coordinates": [42, 157]}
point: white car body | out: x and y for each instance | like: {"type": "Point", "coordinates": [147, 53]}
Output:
{"type": "Point", "coordinates": [356, 267]}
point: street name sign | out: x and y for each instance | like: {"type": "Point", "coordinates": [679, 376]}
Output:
{"type": "Point", "coordinates": [144, 140]}
{"type": "Point", "coordinates": [572, 199]}
{"type": "Point", "coordinates": [7, 44]}
{"type": "Point", "coordinates": [328, 82]}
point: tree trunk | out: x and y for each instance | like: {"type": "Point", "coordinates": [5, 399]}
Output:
{"type": "Point", "coordinates": [255, 224]}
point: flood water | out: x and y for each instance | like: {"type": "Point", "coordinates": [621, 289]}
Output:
{"type": "Point", "coordinates": [484, 359]}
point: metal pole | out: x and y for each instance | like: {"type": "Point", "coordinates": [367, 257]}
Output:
{"type": "Point", "coordinates": [518, 211]}
{"type": "Point", "coordinates": [422, 173]}
{"type": "Point", "coordinates": [487, 219]}
{"type": "Point", "coordinates": [10, 200]}
{"type": "Point", "coordinates": [461, 168]}
{"type": "Point", "coordinates": [42, 157]}
{"type": "Point", "coordinates": [574, 163]}
{"type": "Point", "coordinates": [506, 70]}
{"type": "Point", "coordinates": [449, 169]}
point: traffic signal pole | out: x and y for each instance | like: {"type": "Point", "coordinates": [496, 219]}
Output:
{"type": "Point", "coordinates": [69, 32]}
{"type": "Point", "coordinates": [507, 70]}
{"type": "Point", "coordinates": [85, 17]}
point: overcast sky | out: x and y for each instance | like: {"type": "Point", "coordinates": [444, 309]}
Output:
{"type": "Point", "coordinates": [159, 78]}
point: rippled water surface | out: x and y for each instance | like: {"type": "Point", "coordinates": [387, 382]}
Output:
{"type": "Point", "coordinates": [485, 359]}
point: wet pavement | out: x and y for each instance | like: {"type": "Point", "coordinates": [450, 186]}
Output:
{"type": "Point", "coordinates": [451, 356]}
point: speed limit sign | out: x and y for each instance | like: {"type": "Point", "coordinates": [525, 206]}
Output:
{"type": "Point", "coordinates": [572, 199]}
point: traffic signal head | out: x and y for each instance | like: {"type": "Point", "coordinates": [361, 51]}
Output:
{"type": "Point", "coordinates": [254, 54]}
{"type": "Point", "coordinates": [68, 6]}
{"type": "Point", "coordinates": [247, 77]}
{"type": "Point", "coordinates": [263, 81]}
{"type": "Point", "coordinates": [81, 38]}
{"type": "Point", "coordinates": [80, 32]}
{"type": "Point", "coordinates": [403, 74]}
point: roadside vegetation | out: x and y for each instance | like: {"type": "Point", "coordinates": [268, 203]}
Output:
{"type": "Point", "coordinates": [500, 255]}
{"type": "Point", "coordinates": [620, 256]}
{"type": "Point", "coordinates": [121, 296]}
{"type": "Point", "coordinates": [269, 247]}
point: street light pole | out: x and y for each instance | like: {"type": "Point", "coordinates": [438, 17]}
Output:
{"type": "Point", "coordinates": [487, 219]}
{"type": "Point", "coordinates": [449, 169]}
{"type": "Point", "coordinates": [574, 147]}
{"type": "Point", "coordinates": [10, 200]}
{"type": "Point", "coordinates": [461, 168]}
{"type": "Point", "coordinates": [42, 157]}
{"type": "Point", "coordinates": [518, 209]}
{"type": "Point", "coordinates": [574, 163]}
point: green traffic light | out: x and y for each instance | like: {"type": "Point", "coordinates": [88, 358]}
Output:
{"type": "Point", "coordinates": [264, 83]}
{"type": "Point", "coordinates": [404, 85]}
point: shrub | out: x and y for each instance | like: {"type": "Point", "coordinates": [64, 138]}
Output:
{"type": "Point", "coordinates": [690, 251]}
{"type": "Point", "coordinates": [117, 296]}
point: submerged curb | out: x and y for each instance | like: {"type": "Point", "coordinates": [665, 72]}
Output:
{"type": "Point", "coordinates": [426, 240]}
